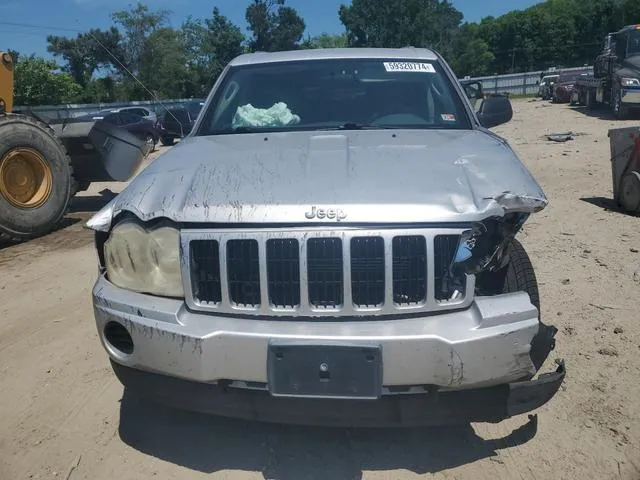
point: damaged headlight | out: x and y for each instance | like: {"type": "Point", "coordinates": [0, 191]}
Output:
{"type": "Point", "coordinates": [146, 261]}
{"type": "Point", "coordinates": [484, 247]}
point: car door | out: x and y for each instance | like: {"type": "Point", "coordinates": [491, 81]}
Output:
{"type": "Point", "coordinates": [134, 124]}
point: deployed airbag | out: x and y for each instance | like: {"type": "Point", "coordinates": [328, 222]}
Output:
{"type": "Point", "coordinates": [277, 116]}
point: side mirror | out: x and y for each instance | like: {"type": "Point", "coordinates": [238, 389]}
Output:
{"type": "Point", "coordinates": [494, 111]}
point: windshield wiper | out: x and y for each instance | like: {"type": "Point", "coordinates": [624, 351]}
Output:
{"type": "Point", "coordinates": [358, 126]}
{"type": "Point", "coordinates": [231, 130]}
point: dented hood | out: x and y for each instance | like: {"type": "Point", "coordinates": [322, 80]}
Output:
{"type": "Point", "coordinates": [386, 176]}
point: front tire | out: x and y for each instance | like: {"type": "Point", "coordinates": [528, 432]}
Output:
{"type": "Point", "coordinates": [167, 141]}
{"type": "Point", "coordinates": [620, 111]}
{"type": "Point", "coordinates": [36, 178]}
{"type": "Point", "coordinates": [151, 142]}
{"type": "Point", "coordinates": [519, 276]}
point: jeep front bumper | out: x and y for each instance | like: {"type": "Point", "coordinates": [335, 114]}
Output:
{"type": "Point", "coordinates": [469, 365]}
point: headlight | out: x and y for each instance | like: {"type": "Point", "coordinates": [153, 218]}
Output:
{"type": "Point", "coordinates": [630, 82]}
{"type": "Point", "coordinates": [146, 261]}
{"type": "Point", "coordinates": [482, 248]}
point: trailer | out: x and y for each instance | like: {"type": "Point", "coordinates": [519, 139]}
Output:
{"type": "Point", "coordinates": [615, 82]}
{"type": "Point", "coordinates": [625, 167]}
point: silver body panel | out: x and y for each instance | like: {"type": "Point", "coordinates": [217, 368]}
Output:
{"type": "Point", "coordinates": [375, 177]}
{"type": "Point", "coordinates": [333, 54]}
{"type": "Point", "coordinates": [486, 344]}
{"type": "Point", "coordinates": [381, 182]}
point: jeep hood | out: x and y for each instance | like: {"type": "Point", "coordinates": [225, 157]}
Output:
{"type": "Point", "coordinates": [384, 176]}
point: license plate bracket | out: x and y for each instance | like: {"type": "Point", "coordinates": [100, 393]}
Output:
{"type": "Point", "coordinates": [311, 370]}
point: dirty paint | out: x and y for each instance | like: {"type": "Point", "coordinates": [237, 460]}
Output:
{"type": "Point", "coordinates": [456, 366]}
{"type": "Point", "coordinates": [429, 176]}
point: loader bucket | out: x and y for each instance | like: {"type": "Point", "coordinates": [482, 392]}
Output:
{"type": "Point", "coordinates": [100, 151]}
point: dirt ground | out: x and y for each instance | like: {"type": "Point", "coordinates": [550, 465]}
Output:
{"type": "Point", "coordinates": [62, 414]}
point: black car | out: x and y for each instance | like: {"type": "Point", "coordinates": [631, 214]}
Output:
{"type": "Point", "coordinates": [139, 126]}
{"type": "Point", "coordinates": [177, 122]}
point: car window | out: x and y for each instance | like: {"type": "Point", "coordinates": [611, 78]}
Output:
{"type": "Point", "coordinates": [178, 114]}
{"type": "Point", "coordinates": [129, 118]}
{"type": "Point", "coordinates": [633, 47]}
{"type": "Point", "coordinates": [320, 94]}
{"type": "Point", "coordinates": [566, 78]}
{"type": "Point", "coordinates": [113, 118]}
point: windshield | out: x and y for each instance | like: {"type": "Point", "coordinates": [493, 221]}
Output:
{"type": "Point", "coordinates": [194, 108]}
{"type": "Point", "coordinates": [334, 94]}
{"type": "Point", "coordinates": [566, 79]}
{"type": "Point", "coordinates": [634, 43]}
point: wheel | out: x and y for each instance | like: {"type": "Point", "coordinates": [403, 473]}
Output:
{"type": "Point", "coordinates": [36, 178]}
{"type": "Point", "coordinates": [520, 275]}
{"type": "Point", "coordinates": [517, 276]}
{"type": "Point", "coordinates": [620, 111]}
{"type": "Point", "coordinates": [630, 192]}
{"type": "Point", "coordinates": [150, 142]}
{"type": "Point", "coordinates": [167, 141]}
{"type": "Point", "coordinates": [591, 99]}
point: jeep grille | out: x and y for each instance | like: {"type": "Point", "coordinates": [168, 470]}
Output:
{"type": "Point", "coordinates": [322, 272]}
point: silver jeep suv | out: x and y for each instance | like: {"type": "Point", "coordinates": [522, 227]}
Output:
{"type": "Point", "coordinates": [333, 243]}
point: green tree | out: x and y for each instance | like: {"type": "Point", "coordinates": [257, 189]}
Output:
{"type": "Point", "coordinates": [326, 40]}
{"type": "Point", "coordinates": [103, 89]}
{"type": "Point", "coordinates": [419, 23]}
{"type": "Point", "coordinates": [559, 33]}
{"type": "Point", "coordinates": [41, 82]}
{"type": "Point", "coordinates": [162, 63]}
{"type": "Point", "coordinates": [209, 47]}
{"type": "Point", "coordinates": [137, 24]}
{"type": "Point", "coordinates": [274, 26]}
{"type": "Point", "coordinates": [470, 53]}
{"type": "Point", "coordinates": [87, 52]}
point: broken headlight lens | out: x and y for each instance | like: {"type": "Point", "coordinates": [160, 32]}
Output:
{"type": "Point", "coordinates": [483, 247]}
{"type": "Point", "coordinates": [146, 261]}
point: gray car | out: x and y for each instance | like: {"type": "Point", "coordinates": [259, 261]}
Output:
{"type": "Point", "coordinates": [333, 243]}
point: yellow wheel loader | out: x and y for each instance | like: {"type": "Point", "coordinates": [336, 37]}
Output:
{"type": "Point", "coordinates": [43, 165]}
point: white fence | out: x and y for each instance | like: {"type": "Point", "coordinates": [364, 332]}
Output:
{"type": "Point", "coordinates": [53, 112]}
{"type": "Point", "coordinates": [521, 83]}
{"type": "Point", "coordinates": [513, 84]}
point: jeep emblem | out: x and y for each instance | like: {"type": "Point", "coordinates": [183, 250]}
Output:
{"type": "Point", "coordinates": [328, 213]}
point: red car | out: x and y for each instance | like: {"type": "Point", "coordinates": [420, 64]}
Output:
{"type": "Point", "coordinates": [562, 88]}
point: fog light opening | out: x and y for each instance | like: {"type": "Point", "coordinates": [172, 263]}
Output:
{"type": "Point", "coordinates": [118, 337]}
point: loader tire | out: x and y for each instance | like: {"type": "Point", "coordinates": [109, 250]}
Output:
{"type": "Point", "coordinates": [36, 178]}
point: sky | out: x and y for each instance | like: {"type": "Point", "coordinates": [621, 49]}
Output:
{"type": "Point", "coordinates": [53, 16]}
